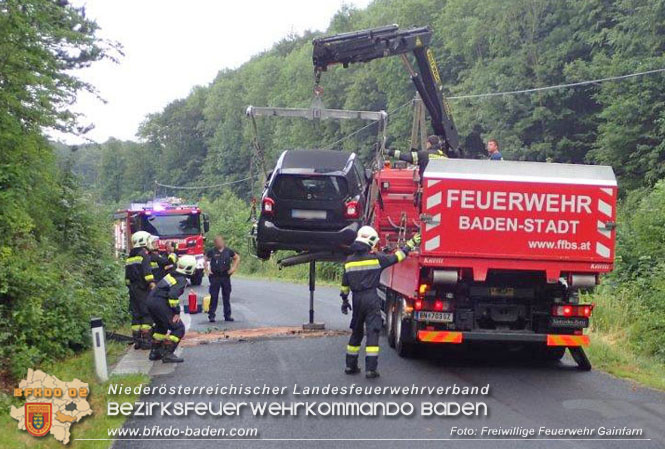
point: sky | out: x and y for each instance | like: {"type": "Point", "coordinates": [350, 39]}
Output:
{"type": "Point", "coordinates": [171, 46]}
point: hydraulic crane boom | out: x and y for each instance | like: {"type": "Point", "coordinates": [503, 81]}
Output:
{"type": "Point", "coordinates": [366, 45]}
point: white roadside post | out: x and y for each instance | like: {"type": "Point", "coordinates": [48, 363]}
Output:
{"type": "Point", "coordinates": [99, 348]}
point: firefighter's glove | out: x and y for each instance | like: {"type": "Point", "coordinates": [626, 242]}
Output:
{"type": "Point", "coordinates": [391, 152]}
{"type": "Point", "coordinates": [346, 306]}
{"type": "Point", "coordinates": [413, 242]}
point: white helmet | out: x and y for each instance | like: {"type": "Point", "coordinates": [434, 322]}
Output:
{"type": "Point", "coordinates": [152, 242]}
{"type": "Point", "coordinates": [368, 236]}
{"type": "Point", "coordinates": [140, 239]}
{"type": "Point", "coordinates": [186, 265]}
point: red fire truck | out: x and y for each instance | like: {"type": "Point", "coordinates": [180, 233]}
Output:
{"type": "Point", "coordinates": [506, 246]}
{"type": "Point", "coordinates": [184, 225]}
{"type": "Point", "coordinates": [506, 249]}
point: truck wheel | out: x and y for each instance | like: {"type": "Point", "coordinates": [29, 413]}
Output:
{"type": "Point", "coordinates": [403, 348]}
{"type": "Point", "coordinates": [583, 363]}
{"type": "Point", "coordinates": [390, 322]}
{"type": "Point", "coordinates": [197, 278]}
{"type": "Point", "coordinates": [548, 354]}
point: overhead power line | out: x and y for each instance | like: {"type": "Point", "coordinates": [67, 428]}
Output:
{"type": "Point", "coordinates": [557, 86]}
{"type": "Point", "coordinates": [212, 186]}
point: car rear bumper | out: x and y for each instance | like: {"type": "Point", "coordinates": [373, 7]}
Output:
{"type": "Point", "coordinates": [275, 238]}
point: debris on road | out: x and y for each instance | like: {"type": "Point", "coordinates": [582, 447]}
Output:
{"type": "Point", "coordinates": [194, 338]}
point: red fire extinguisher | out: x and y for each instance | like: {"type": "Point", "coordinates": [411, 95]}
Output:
{"type": "Point", "coordinates": [192, 302]}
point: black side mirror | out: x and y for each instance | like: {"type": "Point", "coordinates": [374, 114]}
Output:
{"type": "Point", "coordinates": [206, 223]}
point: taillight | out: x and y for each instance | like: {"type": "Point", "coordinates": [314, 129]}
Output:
{"type": "Point", "coordinates": [352, 209]}
{"type": "Point", "coordinates": [569, 310]}
{"type": "Point", "coordinates": [438, 305]}
{"type": "Point", "coordinates": [268, 206]}
{"type": "Point", "coordinates": [418, 304]}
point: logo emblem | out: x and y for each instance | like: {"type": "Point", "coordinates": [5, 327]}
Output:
{"type": "Point", "coordinates": [38, 418]}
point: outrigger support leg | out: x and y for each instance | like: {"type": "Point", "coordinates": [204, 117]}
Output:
{"type": "Point", "coordinates": [583, 363]}
{"type": "Point", "coordinates": [311, 325]}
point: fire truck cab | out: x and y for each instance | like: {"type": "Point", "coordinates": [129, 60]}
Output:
{"type": "Point", "coordinates": [182, 224]}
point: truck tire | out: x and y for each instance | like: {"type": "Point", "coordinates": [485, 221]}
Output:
{"type": "Point", "coordinates": [197, 278]}
{"type": "Point", "coordinates": [390, 322]}
{"type": "Point", "coordinates": [583, 363]}
{"type": "Point", "coordinates": [404, 348]}
{"type": "Point", "coordinates": [548, 354]}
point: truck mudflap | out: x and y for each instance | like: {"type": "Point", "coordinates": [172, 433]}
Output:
{"type": "Point", "coordinates": [453, 337]}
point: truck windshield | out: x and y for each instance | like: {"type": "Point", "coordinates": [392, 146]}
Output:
{"type": "Point", "coordinates": [294, 187]}
{"type": "Point", "coordinates": [171, 225]}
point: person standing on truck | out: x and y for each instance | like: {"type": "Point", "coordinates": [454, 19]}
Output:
{"type": "Point", "coordinates": [434, 149]}
{"type": "Point", "coordinates": [222, 262]}
{"type": "Point", "coordinates": [493, 150]}
{"type": "Point", "coordinates": [164, 307]}
{"type": "Point", "coordinates": [362, 273]}
{"type": "Point", "coordinates": [140, 280]}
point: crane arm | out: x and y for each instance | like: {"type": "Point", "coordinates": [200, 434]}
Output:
{"type": "Point", "coordinates": [375, 43]}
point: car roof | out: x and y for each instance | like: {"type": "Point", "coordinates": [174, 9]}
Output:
{"type": "Point", "coordinates": [314, 161]}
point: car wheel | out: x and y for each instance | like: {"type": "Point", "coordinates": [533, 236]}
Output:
{"type": "Point", "coordinates": [404, 349]}
{"type": "Point", "coordinates": [262, 253]}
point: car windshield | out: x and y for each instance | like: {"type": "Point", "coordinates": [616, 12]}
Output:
{"type": "Point", "coordinates": [171, 225]}
{"type": "Point", "coordinates": [294, 187]}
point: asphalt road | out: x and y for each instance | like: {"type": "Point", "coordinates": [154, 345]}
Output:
{"type": "Point", "coordinates": [522, 393]}
{"type": "Point", "coordinates": [262, 303]}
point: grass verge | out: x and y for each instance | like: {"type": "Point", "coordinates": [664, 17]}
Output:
{"type": "Point", "coordinates": [615, 336]}
{"type": "Point", "coordinates": [93, 426]}
{"type": "Point", "coordinates": [609, 353]}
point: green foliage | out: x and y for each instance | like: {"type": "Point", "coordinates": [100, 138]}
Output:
{"type": "Point", "coordinates": [633, 302]}
{"type": "Point", "coordinates": [55, 265]}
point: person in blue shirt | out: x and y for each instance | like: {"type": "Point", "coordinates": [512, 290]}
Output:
{"type": "Point", "coordinates": [493, 150]}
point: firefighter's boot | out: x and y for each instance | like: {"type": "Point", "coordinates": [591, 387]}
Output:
{"type": "Point", "coordinates": [371, 362]}
{"type": "Point", "coordinates": [156, 350]}
{"type": "Point", "coordinates": [136, 338]}
{"type": "Point", "coordinates": [351, 364]}
{"type": "Point", "coordinates": [168, 355]}
{"type": "Point", "coordinates": [146, 339]}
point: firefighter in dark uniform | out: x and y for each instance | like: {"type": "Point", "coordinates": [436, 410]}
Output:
{"type": "Point", "coordinates": [362, 272]}
{"type": "Point", "coordinates": [160, 262]}
{"type": "Point", "coordinates": [164, 306]}
{"type": "Point", "coordinates": [434, 150]}
{"type": "Point", "coordinates": [139, 280]}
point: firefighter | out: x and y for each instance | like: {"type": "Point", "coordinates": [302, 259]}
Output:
{"type": "Point", "coordinates": [160, 263]}
{"type": "Point", "coordinates": [139, 280]}
{"type": "Point", "coordinates": [434, 149]}
{"type": "Point", "coordinates": [362, 271]}
{"type": "Point", "coordinates": [164, 306]}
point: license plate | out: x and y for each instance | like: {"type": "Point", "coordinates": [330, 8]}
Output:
{"type": "Point", "coordinates": [309, 214]}
{"type": "Point", "coordinates": [502, 292]}
{"type": "Point", "coordinates": [439, 317]}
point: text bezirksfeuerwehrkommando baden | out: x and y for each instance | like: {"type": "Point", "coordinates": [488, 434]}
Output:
{"type": "Point", "coordinates": [358, 400]}
{"type": "Point", "coordinates": [297, 390]}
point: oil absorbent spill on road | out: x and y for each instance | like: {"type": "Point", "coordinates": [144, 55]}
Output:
{"type": "Point", "coordinates": [194, 338]}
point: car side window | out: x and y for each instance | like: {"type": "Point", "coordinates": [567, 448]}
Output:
{"type": "Point", "coordinates": [359, 174]}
